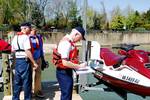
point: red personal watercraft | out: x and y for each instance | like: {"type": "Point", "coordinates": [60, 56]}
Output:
{"type": "Point", "coordinates": [128, 71]}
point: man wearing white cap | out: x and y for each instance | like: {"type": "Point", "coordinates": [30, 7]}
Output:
{"type": "Point", "coordinates": [68, 61]}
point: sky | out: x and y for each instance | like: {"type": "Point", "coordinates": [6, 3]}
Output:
{"type": "Point", "coordinates": [139, 5]}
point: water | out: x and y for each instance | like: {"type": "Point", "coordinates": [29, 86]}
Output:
{"type": "Point", "coordinates": [100, 95]}
{"type": "Point", "coordinates": [49, 73]}
{"type": "Point", "coordinates": [95, 95]}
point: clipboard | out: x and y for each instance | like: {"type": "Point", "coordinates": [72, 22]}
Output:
{"type": "Point", "coordinates": [85, 70]}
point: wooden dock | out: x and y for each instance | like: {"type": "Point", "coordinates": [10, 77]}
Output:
{"type": "Point", "coordinates": [51, 92]}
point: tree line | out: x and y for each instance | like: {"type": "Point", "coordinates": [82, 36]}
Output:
{"type": "Point", "coordinates": [66, 14]}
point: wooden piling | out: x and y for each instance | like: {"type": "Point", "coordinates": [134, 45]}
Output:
{"type": "Point", "coordinates": [6, 74]}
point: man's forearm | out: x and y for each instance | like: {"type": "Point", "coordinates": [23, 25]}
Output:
{"type": "Point", "coordinates": [29, 54]}
{"type": "Point", "coordinates": [70, 64]}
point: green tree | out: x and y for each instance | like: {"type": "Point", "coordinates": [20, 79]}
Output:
{"type": "Point", "coordinates": [37, 16]}
{"type": "Point", "coordinates": [117, 21]}
{"type": "Point", "coordinates": [146, 19]}
{"type": "Point", "coordinates": [134, 20]}
{"type": "Point", "coordinates": [11, 12]}
{"type": "Point", "coordinates": [40, 6]}
{"type": "Point", "coordinates": [54, 10]}
{"type": "Point", "coordinates": [90, 16]}
{"type": "Point", "coordinates": [104, 20]}
{"type": "Point", "coordinates": [97, 21]}
{"type": "Point", "coordinates": [73, 12]}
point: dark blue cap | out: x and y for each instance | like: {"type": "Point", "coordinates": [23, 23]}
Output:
{"type": "Point", "coordinates": [81, 30]}
{"type": "Point", "coordinates": [26, 24]}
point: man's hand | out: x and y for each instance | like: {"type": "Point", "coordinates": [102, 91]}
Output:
{"type": "Point", "coordinates": [35, 66]}
{"type": "Point", "coordinates": [83, 65]}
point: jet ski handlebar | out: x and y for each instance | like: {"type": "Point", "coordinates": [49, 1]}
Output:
{"type": "Point", "coordinates": [126, 47]}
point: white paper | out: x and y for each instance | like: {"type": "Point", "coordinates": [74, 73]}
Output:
{"type": "Point", "coordinates": [95, 55]}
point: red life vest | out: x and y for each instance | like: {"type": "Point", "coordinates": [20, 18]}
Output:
{"type": "Point", "coordinates": [73, 56]}
{"type": "Point", "coordinates": [32, 47]}
{"type": "Point", "coordinates": [37, 45]}
{"type": "Point", "coordinates": [19, 33]}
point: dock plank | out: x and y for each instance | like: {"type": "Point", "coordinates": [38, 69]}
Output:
{"type": "Point", "coordinates": [51, 92]}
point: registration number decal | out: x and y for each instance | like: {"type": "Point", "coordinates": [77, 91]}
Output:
{"type": "Point", "coordinates": [130, 79]}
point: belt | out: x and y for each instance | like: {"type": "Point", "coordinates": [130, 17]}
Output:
{"type": "Point", "coordinates": [63, 68]}
{"type": "Point", "coordinates": [22, 58]}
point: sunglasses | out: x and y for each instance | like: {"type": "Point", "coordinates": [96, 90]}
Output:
{"type": "Point", "coordinates": [24, 27]}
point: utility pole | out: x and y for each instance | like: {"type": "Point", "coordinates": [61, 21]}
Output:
{"type": "Point", "coordinates": [84, 14]}
{"type": "Point", "coordinates": [83, 78]}
{"type": "Point", "coordinates": [84, 26]}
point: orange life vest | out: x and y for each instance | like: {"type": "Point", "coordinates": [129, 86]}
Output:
{"type": "Point", "coordinates": [73, 57]}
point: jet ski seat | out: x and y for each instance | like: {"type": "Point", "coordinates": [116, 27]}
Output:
{"type": "Point", "coordinates": [110, 58]}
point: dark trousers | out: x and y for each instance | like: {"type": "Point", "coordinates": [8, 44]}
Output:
{"type": "Point", "coordinates": [22, 79]}
{"type": "Point", "coordinates": [65, 81]}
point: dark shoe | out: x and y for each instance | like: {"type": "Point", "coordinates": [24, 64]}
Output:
{"type": "Point", "coordinates": [40, 94]}
{"type": "Point", "coordinates": [33, 95]}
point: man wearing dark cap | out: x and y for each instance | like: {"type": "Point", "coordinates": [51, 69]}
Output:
{"type": "Point", "coordinates": [68, 61]}
{"type": "Point", "coordinates": [81, 31]}
{"type": "Point", "coordinates": [23, 71]}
